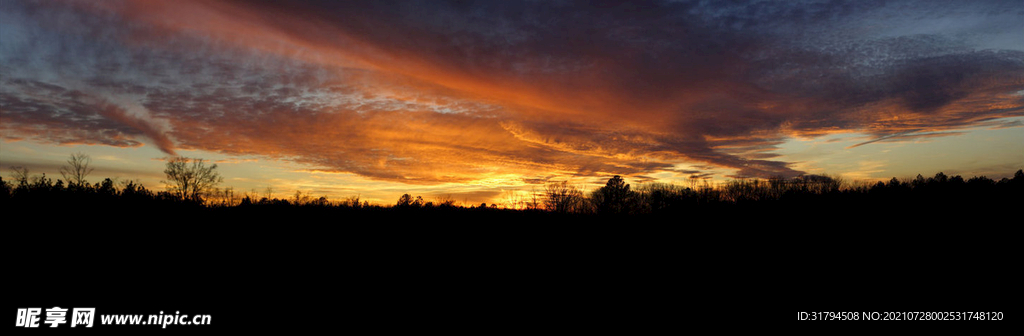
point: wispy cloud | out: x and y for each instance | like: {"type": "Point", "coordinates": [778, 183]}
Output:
{"type": "Point", "coordinates": [428, 93]}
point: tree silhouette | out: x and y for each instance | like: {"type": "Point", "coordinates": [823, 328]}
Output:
{"type": "Point", "coordinates": [563, 197]}
{"type": "Point", "coordinates": [446, 201]}
{"type": "Point", "coordinates": [190, 179]}
{"type": "Point", "coordinates": [106, 187]}
{"type": "Point", "coordinates": [5, 190]}
{"type": "Point", "coordinates": [404, 201]}
{"type": "Point", "coordinates": [613, 197]}
{"type": "Point", "coordinates": [77, 168]}
{"type": "Point", "coordinates": [20, 175]}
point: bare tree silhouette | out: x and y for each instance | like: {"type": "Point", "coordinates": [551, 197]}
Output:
{"type": "Point", "coordinates": [563, 198]}
{"type": "Point", "coordinates": [446, 201]}
{"type": "Point", "coordinates": [190, 179]}
{"type": "Point", "coordinates": [20, 175]}
{"type": "Point", "coordinates": [77, 169]}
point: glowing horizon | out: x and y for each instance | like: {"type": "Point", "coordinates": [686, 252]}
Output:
{"type": "Point", "coordinates": [480, 100]}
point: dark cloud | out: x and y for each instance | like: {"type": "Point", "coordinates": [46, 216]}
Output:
{"type": "Point", "coordinates": [906, 136]}
{"type": "Point", "coordinates": [1009, 124]}
{"type": "Point", "coordinates": [701, 176]}
{"type": "Point", "coordinates": [49, 112]}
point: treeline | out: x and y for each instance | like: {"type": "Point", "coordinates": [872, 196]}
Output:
{"type": "Point", "coordinates": [42, 189]}
{"type": "Point", "coordinates": [616, 197]}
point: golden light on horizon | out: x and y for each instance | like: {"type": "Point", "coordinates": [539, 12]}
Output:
{"type": "Point", "coordinates": [320, 103]}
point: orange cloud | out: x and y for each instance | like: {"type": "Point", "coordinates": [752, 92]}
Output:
{"type": "Point", "coordinates": [433, 94]}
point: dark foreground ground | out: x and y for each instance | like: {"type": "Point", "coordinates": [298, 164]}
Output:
{"type": "Point", "coordinates": [486, 272]}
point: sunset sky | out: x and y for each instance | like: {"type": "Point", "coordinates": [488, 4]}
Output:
{"type": "Point", "coordinates": [478, 100]}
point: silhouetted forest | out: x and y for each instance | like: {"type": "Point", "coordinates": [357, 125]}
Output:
{"type": "Point", "coordinates": [804, 199]}
{"type": "Point", "coordinates": [770, 246]}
